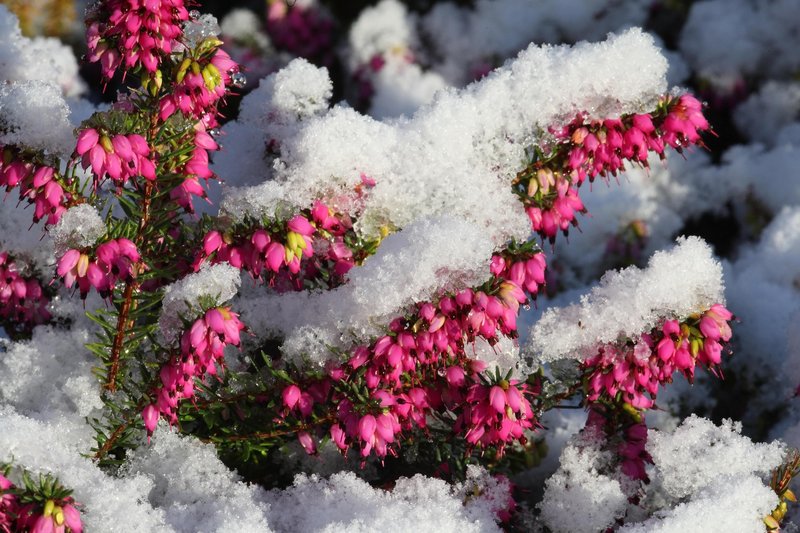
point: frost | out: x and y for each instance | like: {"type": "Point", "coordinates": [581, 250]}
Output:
{"type": "Point", "coordinates": [108, 504]}
{"type": "Point", "coordinates": [729, 503]}
{"type": "Point", "coordinates": [416, 263]}
{"type": "Point", "coordinates": [345, 503]}
{"type": "Point", "coordinates": [467, 38]}
{"type": "Point", "coordinates": [42, 59]}
{"type": "Point", "coordinates": [219, 282]}
{"type": "Point", "coordinates": [629, 302]}
{"type": "Point", "coordinates": [457, 155]}
{"type": "Point", "coordinates": [195, 31]}
{"type": "Point", "coordinates": [699, 452]}
{"type": "Point", "coordinates": [80, 226]}
{"type": "Point", "coordinates": [579, 498]}
{"type": "Point", "coordinates": [34, 115]}
{"type": "Point", "coordinates": [197, 492]}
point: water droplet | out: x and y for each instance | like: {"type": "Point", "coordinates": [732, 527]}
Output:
{"type": "Point", "coordinates": [239, 80]}
{"type": "Point", "coordinates": [441, 371]}
{"type": "Point", "coordinates": [527, 307]}
{"type": "Point", "coordinates": [194, 14]}
{"type": "Point", "coordinates": [214, 132]}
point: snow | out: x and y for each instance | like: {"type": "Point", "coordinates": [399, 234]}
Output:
{"type": "Point", "coordinates": [79, 227]}
{"type": "Point", "coordinates": [448, 252]}
{"type": "Point", "coordinates": [452, 158]}
{"type": "Point", "coordinates": [58, 360]}
{"type": "Point", "coordinates": [456, 155]}
{"type": "Point", "coordinates": [346, 503]}
{"type": "Point", "coordinates": [379, 29]}
{"type": "Point", "coordinates": [196, 491]}
{"type": "Point", "coordinates": [579, 497]}
{"type": "Point", "coordinates": [34, 114]}
{"type": "Point", "coordinates": [56, 447]}
{"type": "Point", "coordinates": [197, 30]}
{"type": "Point", "coordinates": [43, 59]}
{"type": "Point", "coordinates": [629, 302]}
{"type": "Point", "coordinates": [182, 299]}
{"type": "Point", "coordinates": [465, 37]}
{"type": "Point", "coordinates": [729, 503]}
{"type": "Point", "coordinates": [699, 452]}
{"type": "Point", "coordinates": [442, 155]}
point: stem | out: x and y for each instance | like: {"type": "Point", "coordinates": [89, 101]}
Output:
{"type": "Point", "coordinates": [119, 337]}
{"type": "Point", "coordinates": [266, 435]}
{"type": "Point", "coordinates": [103, 451]}
{"type": "Point", "coordinates": [123, 324]}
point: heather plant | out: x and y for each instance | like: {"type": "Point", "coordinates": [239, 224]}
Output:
{"type": "Point", "coordinates": [40, 505]}
{"type": "Point", "coordinates": [357, 289]}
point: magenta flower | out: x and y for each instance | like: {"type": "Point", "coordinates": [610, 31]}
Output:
{"type": "Point", "coordinates": [118, 157]}
{"type": "Point", "coordinates": [202, 349]}
{"type": "Point", "coordinates": [307, 442]}
{"type": "Point", "coordinates": [134, 33]}
{"type": "Point", "coordinates": [291, 395]}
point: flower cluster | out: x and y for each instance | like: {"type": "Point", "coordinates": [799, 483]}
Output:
{"type": "Point", "coordinates": [43, 508]}
{"type": "Point", "coordinates": [118, 157]}
{"type": "Point", "coordinates": [587, 149]}
{"type": "Point", "coordinates": [8, 505]}
{"type": "Point", "coordinates": [202, 348]}
{"type": "Point", "coordinates": [286, 248]}
{"type": "Point", "coordinates": [195, 169]}
{"type": "Point", "coordinates": [422, 365]}
{"type": "Point", "coordinates": [23, 302]}
{"type": "Point", "coordinates": [38, 185]}
{"type": "Point", "coordinates": [303, 31]}
{"type": "Point", "coordinates": [560, 215]}
{"type": "Point", "coordinates": [199, 85]}
{"type": "Point", "coordinates": [600, 148]}
{"type": "Point", "coordinates": [133, 34]}
{"type": "Point", "coordinates": [634, 371]}
{"type": "Point", "coordinates": [526, 273]}
{"type": "Point", "coordinates": [113, 262]}
{"type": "Point", "coordinates": [496, 414]}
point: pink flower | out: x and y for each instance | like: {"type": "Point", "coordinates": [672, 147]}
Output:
{"type": "Point", "coordinates": [202, 348]}
{"type": "Point", "coordinates": [291, 395]}
{"type": "Point", "coordinates": [134, 33]}
{"type": "Point", "coordinates": [307, 442]}
{"type": "Point", "coordinates": [118, 157]}
{"type": "Point", "coordinates": [72, 519]}
{"type": "Point", "coordinates": [150, 417]}
{"type": "Point", "coordinates": [198, 91]}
